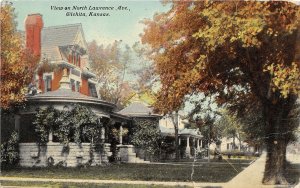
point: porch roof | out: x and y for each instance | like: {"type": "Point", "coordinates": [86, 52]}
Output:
{"type": "Point", "coordinates": [69, 96]}
{"type": "Point", "coordinates": [138, 109]}
{"type": "Point", "coordinates": [181, 132]}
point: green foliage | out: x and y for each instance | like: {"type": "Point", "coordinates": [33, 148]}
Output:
{"type": "Point", "coordinates": [64, 125]}
{"type": "Point", "coordinates": [210, 129]}
{"type": "Point", "coordinates": [116, 132]}
{"type": "Point", "coordinates": [146, 135]}
{"type": "Point", "coordinates": [44, 122]}
{"type": "Point", "coordinates": [85, 124]}
{"type": "Point", "coordinates": [7, 124]}
{"type": "Point", "coordinates": [232, 126]}
{"type": "Point", "coordinates": [79, 124]}
{"type": "Point", "coordinates": [10, 150]}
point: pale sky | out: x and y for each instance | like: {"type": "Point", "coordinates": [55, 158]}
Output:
{"type": "Point", "coordinates": [120, 25]}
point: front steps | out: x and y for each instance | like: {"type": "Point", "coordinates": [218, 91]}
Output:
{"type": "Point", "coordinates": [128, 155]}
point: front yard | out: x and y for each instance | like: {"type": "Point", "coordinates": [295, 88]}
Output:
{"type": "Point", "coordinates": [203, 172]}
{"type": "Point", "coordinates": [81, 185]}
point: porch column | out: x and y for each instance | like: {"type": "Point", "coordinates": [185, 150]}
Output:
{"type": "Point", "coordinates": [50, 136]}
{"type": "Point", "coordinates": [102, 136]}
{"type": "Point", "coordinates": [121, 134]}
{"type": "Point", "coordinates": [179, 141]}
{"type": "Point", "coordinates": [188, 149]}
{"type": "Point", "coordinates": [17, 123]}
{"type": "Point", "coordinates": [198, 147]}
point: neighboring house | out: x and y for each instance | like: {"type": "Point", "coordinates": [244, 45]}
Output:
{"type": "Point", "coordinates": [189, 139]}
{"type": "Point", "coordinates": [230, 144]}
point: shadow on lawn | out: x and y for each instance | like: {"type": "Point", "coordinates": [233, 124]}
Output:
{"type": "Point", "coordinates": [292, 173]}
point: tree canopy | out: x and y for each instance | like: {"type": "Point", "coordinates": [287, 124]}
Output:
{"type": "Point", "coordinates": [242, 52]}
{"type": "Point", "coordinates": [110, 63]}
{"type": "Point", "coordinates": [17, 63]}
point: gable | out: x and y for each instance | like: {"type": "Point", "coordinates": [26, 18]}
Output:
{"type": "Point", "coordinates": [55, 37]}
{"type": "Point", "coordinates": [80, 39]}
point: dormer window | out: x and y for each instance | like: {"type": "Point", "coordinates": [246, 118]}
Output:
{"type": "Point", "coordinates": [74, 58]}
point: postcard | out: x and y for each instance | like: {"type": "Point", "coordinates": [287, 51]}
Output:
{"type": "Point", "coordinates": [150, 93]}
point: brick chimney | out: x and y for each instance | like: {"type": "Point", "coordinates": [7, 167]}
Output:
{"type": "Point", "coordinates": [33, 27]}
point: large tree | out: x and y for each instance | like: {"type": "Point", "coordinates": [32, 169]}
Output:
{"type": "Point", "coordinates": [243, 52]}
{"type": "Point", "coordinates": [17, 63]}
{"type": "Point", "coordinates": [110, 63]}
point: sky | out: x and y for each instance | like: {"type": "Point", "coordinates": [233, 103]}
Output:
{"type": "Point", "coordinates": [120, 25]}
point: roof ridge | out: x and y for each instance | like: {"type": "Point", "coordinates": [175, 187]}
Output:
{"type": "Point", "coordinates": [66, 25]}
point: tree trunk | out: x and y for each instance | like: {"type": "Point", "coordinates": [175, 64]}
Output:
{"type": "Point", "coordinates": [274, 168]}
{"type": "Point", "coordinates": [233, 141]}
{"type": "Point", "coordinates": [175, 123]}
{"type": "Point", "coordinates": [177, 154]}
{"type": "Point", "coordinates": [277, 138]}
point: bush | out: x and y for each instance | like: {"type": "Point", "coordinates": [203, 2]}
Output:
{"type": "Point", "coordinates": [237, 154]}
{"type": "Point", "coordinates": [146, 135]}
{"type": "Point", "coordinates": [10, 151]}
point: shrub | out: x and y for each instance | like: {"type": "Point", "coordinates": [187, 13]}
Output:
{"type": "Point", "coordinates": [146, 135]}
{"type": "Point", "coordinates": [10, 151]}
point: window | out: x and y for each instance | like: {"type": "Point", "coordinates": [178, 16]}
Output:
{"type": "Point", "coordinates": [48, 80]}
{"type": "Point", "coordinates": [74, 58]}
{"type": "Point", "coordinates": [72, 84]}
{"type": "Point", "coordinates": [77, 87]}
{"type": "Point", "coordinates": [78, 60]}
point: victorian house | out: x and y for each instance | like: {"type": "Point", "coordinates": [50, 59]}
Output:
{"type": "Point", "coordinates": [64, 78]}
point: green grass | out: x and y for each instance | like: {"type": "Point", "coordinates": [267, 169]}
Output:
{"type": "Point", "coordinates": [234, 161]}
{"type": "Point", "coordinates": [213, 172]}
{"type": "Point", "coordinates": [292, 173]}
{"type": "Point", "coordinates": [80, 185]}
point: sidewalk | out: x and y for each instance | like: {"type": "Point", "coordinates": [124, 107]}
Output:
{"type": "Point", "coordinates": [252, 176]}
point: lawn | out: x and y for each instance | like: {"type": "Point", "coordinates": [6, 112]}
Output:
{"type": "Point", "coordinates": [292, 173]}
{"type": "Point", "coordinates": [80, 185]}
{"type": "Point", "coordinates": [203, 172]}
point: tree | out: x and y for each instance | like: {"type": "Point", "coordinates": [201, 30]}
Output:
{"type": "Point", "coordinates": [253, 127]}
{"type": "Point", "coordinates": [146, 77]}
{"type": "Point", "coordinates": [243, 52]}
{"type": "Point", "coordinates": [233, 127]}
{"type": "Point", "coordinates": [17, 63]}
{"type": "Point", "coordinates": [110, 64]}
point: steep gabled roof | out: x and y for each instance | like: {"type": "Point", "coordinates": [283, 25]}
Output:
{"type": "Point", "coordinates": [55, 36]}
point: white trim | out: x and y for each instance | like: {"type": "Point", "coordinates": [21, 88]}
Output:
{"type": "Point", "coordinates": [48, 74]}
{"type": "Point", "coordinates": [76, 78]}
